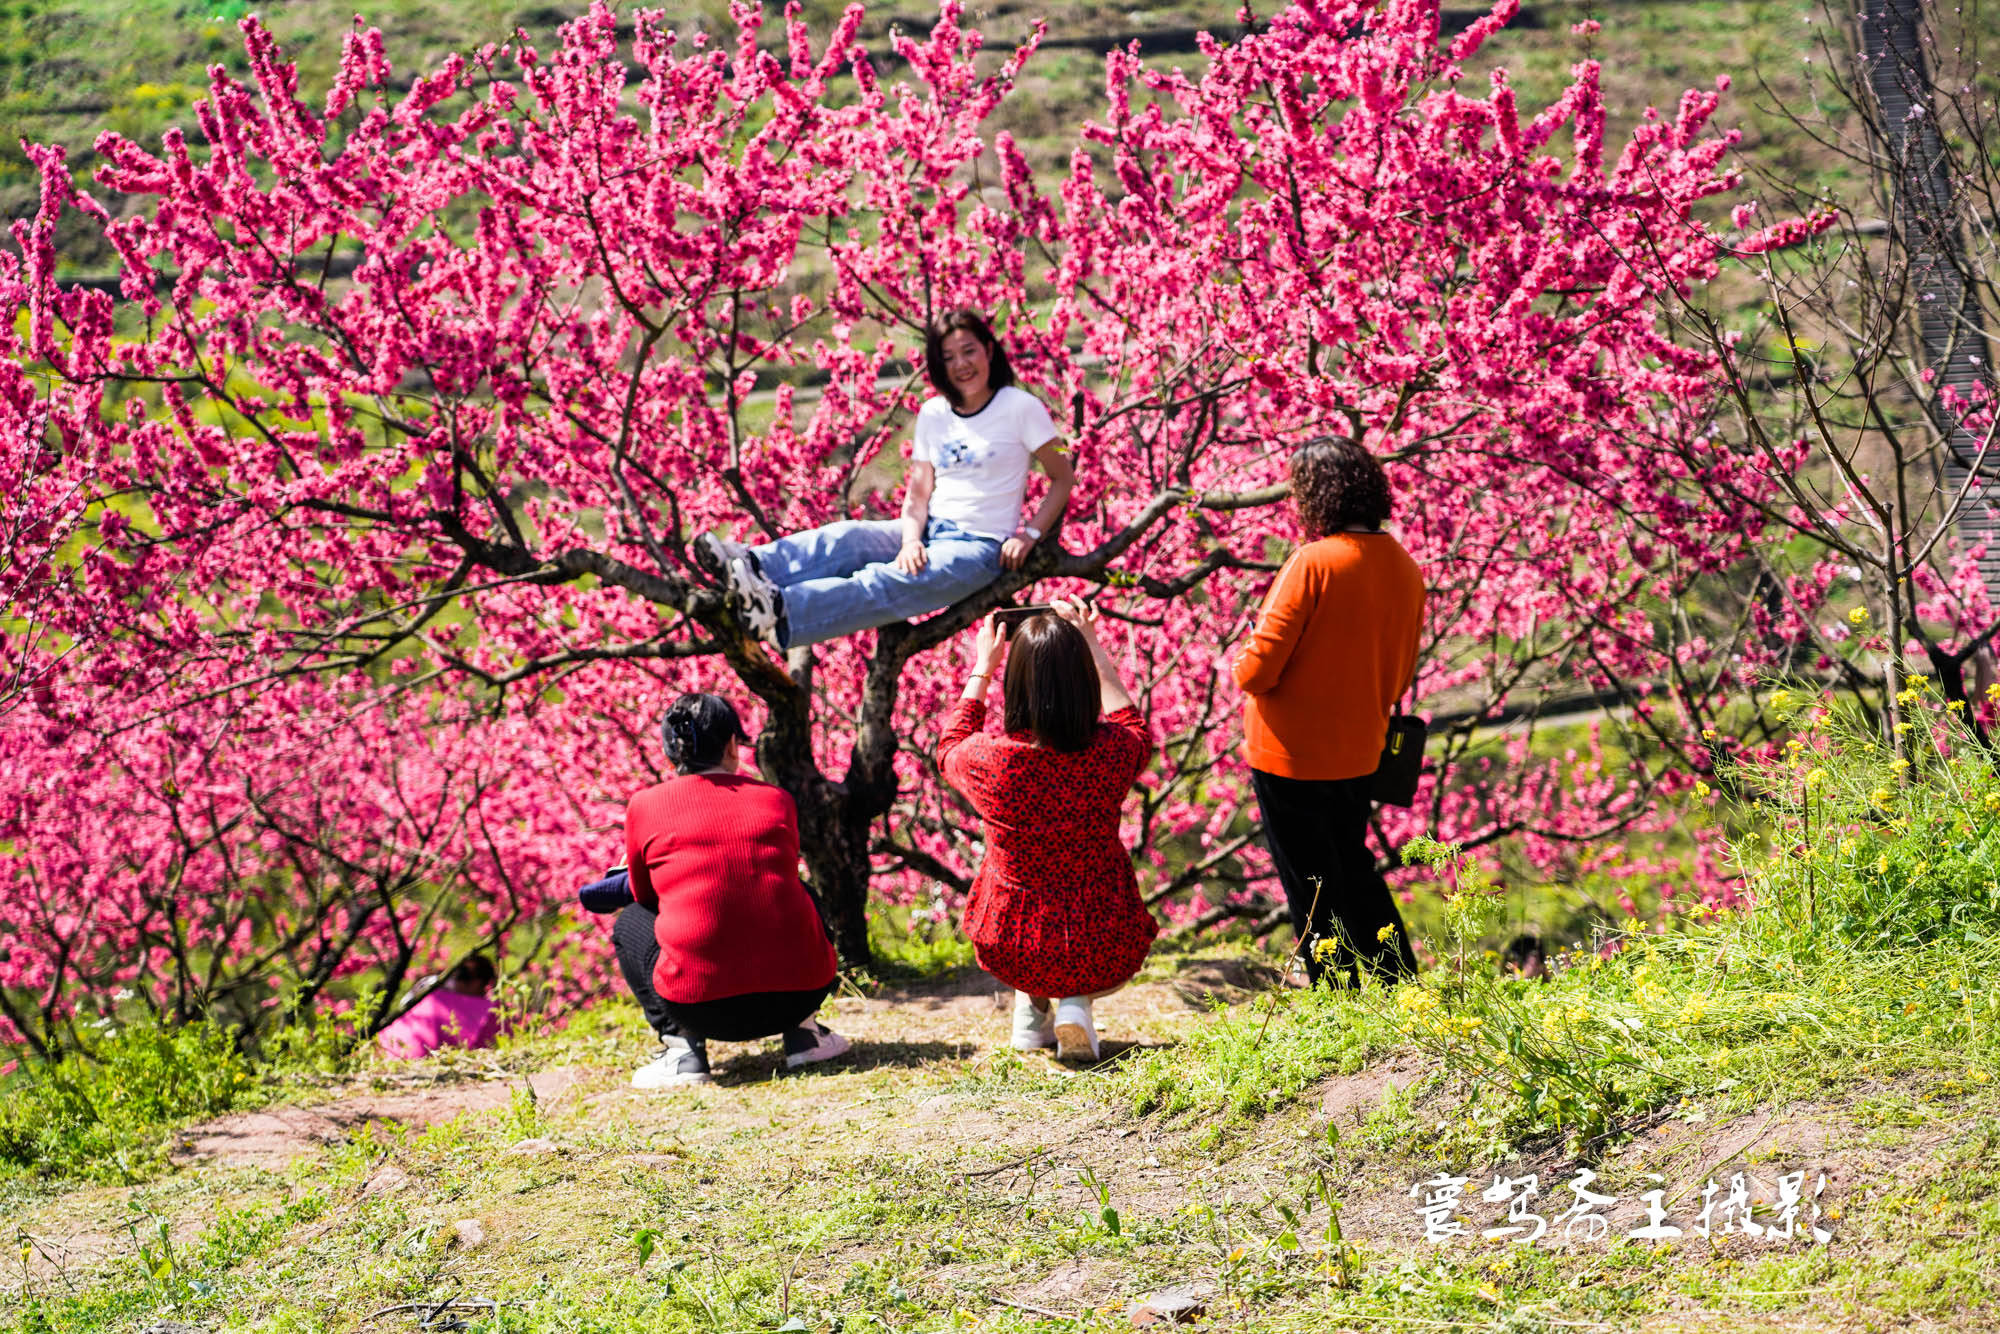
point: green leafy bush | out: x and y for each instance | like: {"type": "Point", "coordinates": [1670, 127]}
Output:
{"type": "Point", "coordinates": [107, 1116]}
{"type": "Point", "coordinates": [1887, 840]}
{"type": "Point", "coordinates": [1872, 921]}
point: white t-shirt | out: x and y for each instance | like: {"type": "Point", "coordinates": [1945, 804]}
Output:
{"type": "Point", "coordinates": [982, 458]}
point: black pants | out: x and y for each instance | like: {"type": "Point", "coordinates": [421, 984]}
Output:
{"type": "Point", "coordinates": [732, 1019]}
{"type": "Point", "coordinates": [1317, 830]}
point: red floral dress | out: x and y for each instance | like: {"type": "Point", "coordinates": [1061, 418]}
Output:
{"type": "Point", "coordinates": [1055, 909]}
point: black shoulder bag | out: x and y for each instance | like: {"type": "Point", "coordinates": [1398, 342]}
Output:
{"type": "Point", "coordinates": [1394, 782]}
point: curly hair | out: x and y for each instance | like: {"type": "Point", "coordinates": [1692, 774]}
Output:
{"type": "Point", "coordinates": [1337, 484]}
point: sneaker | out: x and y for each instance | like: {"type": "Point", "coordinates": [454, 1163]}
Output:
{"type": "Point", "coordinates": [1076, 1035]}
{"type": "Point", "coordinates": [811, 1043]}
{"type": "Point", "coordinates": [679, 1064]}
{"type": "Point", "coordinates": [715, 555]}
{"type": "Point", "coordinates": [1034, 1028]}
{"type": "Point", "coordinates": [759, 600]}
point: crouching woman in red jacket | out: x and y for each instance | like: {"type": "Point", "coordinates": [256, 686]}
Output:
{"type": "Point", "coordinates": [721, 940]}
{"type": "Point", "coordinates": [1054, 911]}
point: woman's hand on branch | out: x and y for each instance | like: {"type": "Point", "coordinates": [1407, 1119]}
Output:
{"type": "Point", "coordinates": [1014, 552]}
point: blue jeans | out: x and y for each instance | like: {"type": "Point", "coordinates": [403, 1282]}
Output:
{"type": "Point", "coordinates": [841, 578]}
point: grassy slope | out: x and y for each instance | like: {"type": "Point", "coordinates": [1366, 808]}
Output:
{"type": "Point", "coordinates": [72, 68]}
{"type": "Point", "coordinates": [936, 1182]}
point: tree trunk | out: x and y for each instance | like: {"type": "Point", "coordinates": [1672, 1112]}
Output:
{"type": "Point", "coordinates": [836, 853]}
{"type": "Point", "coordinates": [834, 818]}
{"type": "Point", "coordinates": [1926, 228]}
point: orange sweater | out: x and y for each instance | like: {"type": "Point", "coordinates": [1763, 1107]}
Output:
{"type": "Point", "coordinates": [1334, 648]}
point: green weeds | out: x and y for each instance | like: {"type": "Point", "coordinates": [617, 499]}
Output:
{"type": "Point", "coordinates": [106, 1116]}
{"type": "Point", "coordinates": [1873, 920]}
{"type": "Point", "coordinates": [1254, 1059]}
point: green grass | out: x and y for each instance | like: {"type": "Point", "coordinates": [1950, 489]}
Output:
{"type": "Point", "coordinates": [106, 1115]}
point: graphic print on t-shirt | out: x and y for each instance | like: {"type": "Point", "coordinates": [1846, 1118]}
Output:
{"type": "Point", "coordinates": [957, 450]}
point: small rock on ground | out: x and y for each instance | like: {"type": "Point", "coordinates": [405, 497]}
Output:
{"type": "Point", "coordinates": [386, 1181]}
{"type": "Point", "coordinates": [534, 1146]}
{"type": "Point", "coordinates": [1170, 1306]}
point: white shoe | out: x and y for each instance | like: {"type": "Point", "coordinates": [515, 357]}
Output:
{"type": "Point", "coordinates": [680, 1064]}
{"type": "Point", "coordinates": [714, 554]}
{"type": "Point", "coordinates": [811, 1043]}
{"type": "Point", "coordinates": [761, 602]}
{"type": "Point", "coordinates": [1076, 1035]}
{"type": "Point", "coordinates": [1033, 1029]}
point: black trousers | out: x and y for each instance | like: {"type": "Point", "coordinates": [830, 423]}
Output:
{"type": "Point", "coordinates": [1317, 830]}
{"type": "Point", "coordinates": [731, 1019]}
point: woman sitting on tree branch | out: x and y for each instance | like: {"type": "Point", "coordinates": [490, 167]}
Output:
{"type": "Point", "coordinates": [961, 510]}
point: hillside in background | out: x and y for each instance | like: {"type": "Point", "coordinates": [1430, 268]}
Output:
{"type": "Point", "coordinates": [69, 71]}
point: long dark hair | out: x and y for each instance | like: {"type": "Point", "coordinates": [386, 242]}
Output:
{"type": "Point", "coordinates": [1337, 484]}
{"type": "Point", "coordinates": [697, 729]}
{"type": "Point", "coordinates": [999, 372]}
{"type": "Point", "coordinates": [1051, 687]}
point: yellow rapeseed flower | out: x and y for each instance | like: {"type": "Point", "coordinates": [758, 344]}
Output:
{"type": "Point", "coordinates": [1386, 933]}
{"type": "Point", "coordinates": [1881, 796]}
{"type": "Point", "coordinates": [1858, 617]}
{"type": "Point", "coordinates": [1701, 789]}
{"type": "Point", "coordinates": [1815, 778]}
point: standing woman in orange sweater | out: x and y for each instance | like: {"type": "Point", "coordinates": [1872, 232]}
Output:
{"type": "Point", "coordinates": [1335, 646]}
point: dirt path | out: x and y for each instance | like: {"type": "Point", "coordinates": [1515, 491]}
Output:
{"type": "Point", "coordinates": [957, 1021]}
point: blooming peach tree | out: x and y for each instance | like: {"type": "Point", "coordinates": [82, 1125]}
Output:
{"type": "Point", "coordinates": [405, 396]}
{"type": "Point", "coordinates": [255, 859]}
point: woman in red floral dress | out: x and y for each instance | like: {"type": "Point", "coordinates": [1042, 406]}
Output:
{"type": "Point", "coordinates": [1055, 910]}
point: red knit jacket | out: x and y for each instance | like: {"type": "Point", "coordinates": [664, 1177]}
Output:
{"type": "Point", "coordinates": [717, 856]}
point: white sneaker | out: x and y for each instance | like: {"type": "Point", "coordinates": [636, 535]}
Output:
{"type": "Point", "coordinates": [1076, 1035]}
{"type": "Point", "coordinates": [811, 1043]}
{"type": "Point", "coordinates": [680, 1063]}
{"type": "Point", "coordinates": [761, 602]}
{"type": "Point", "coordinates": [714, 555]}
{"type": "Point", "coordinates": [1033, 1029]}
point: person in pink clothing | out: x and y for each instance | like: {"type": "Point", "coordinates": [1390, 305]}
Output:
{"type": "Point", "coordinates": [457, 1013]}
